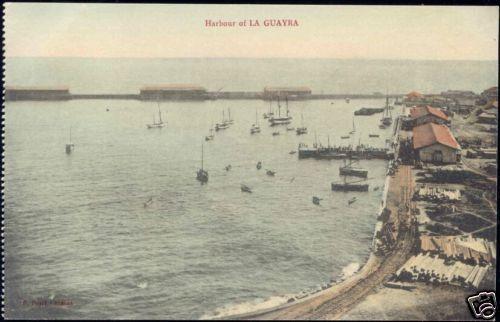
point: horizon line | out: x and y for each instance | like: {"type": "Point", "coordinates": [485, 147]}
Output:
{"type": "Point", "coordinates": [250, 57]}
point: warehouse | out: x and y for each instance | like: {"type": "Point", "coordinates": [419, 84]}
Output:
{"type": "Point", "coordinates": [427, 114]}
{"type": "Point", "coordinates": [283, 92]}
{"type": "Point", "coordinates": [37, 93]}
{"type": "Point", "coordinates": [173, 92]}
{"type": "Point", "coordinates": [435, 143]}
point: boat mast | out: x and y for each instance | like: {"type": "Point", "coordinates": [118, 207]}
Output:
{"type": "Point", "coordinates": [159, 112]}
{"type": "Point", "coordinates": [70, 135]}
{"type": "Point", "coordinates": [286, 99]}
{"type": "Point", "coordinates": [201, 156]}
{"type": "Point", "coordinates": [279, 106]}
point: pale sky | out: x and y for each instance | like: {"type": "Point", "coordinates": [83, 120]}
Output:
{"type": "Point", "coordinates": [168, 30]}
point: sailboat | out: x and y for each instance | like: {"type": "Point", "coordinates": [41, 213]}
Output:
{"type": "Point", "coordinates": [229, 120]}
{"type": "Point", "coordinates": [353, 128]}
{"type": "Point", "coordinates": [69, 146]}
{"type": "Point", "coordinates": [281, 120]}
{"type": "Point", "coordinates": [159, 124]}
{"type": "Point", "coordinates": [387, 116]}
{"type": "Point", "coordinates": [255, 127]}
{"type": "Point", "coordinates": [210, 135]}
{"type": "Point", "coordinates": [202, 175]}
{"type": "Point", "coordinates": [270, 113]}
{"type": "Point", "coordinates": [223, 125]}
{"type": "Point", "coordinates": [302, 129]}
{"type": "Point", "coordinates": [348, 170]}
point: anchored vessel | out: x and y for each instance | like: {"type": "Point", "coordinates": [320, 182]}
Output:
{"type": "Point", "coordinates": [210, 135]}
{"type": "Point", "coordinates": [361, 151]}
{"type": "Point", "coordinates": [353, 127]}
{"type": "Point", "coordinates": [368, 110]}
{"type": "Point", "coordinates": [202, 175]}
{"type": "Point", "coordinates": [302, 129]}
{"type": "Point", "coordinates": [69, 146]}
{"type": "Point", "coordinates": [270, 113]}
{"type": "Point", "coordinates": [387, 117]}
{"type": "Point", "coordinates": [224, 124]}
{"type": "Point", "coordinates": [245, 188]}
{"type": "Point", "coordinates": [348, 170]}
{"type": "Point", "coordinates": [255, 127]}
{"type": "Point", "coordinates": [281, 120]}
{"type": "Point", "coordinates": [159, 124]}
{"type": "Point", "coordinates": [350, 186]}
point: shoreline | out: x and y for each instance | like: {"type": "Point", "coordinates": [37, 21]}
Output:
{"type": "Point", "coordinates": [368, 265]}
{"type": "Point", "coordinates": [373, 267]}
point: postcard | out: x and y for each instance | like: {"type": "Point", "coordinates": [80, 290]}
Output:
{"type": "Point", "coordinates": [288, 162]}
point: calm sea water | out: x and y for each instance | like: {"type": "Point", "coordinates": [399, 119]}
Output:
{"type": "Point", "coordinates": [84, 75]}
{"type": "Point", "coordinates": [76, 228]}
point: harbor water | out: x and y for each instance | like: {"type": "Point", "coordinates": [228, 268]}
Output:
{"type": "Point", "coordinates": [77, 229]}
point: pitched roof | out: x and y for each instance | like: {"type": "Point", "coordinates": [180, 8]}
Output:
{"type": "Point", "coordinates": [430, 133]}
{"type": "Point", "coordinates": [414, 95]}
{"type": "Point", "coordinates": [420, 111]}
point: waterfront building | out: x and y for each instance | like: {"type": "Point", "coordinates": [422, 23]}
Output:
{"type": "Point", "coordinates": [37, 93]}
{"type": "Point", "coordinates": [173, 92]}
{"type": "Point", "coordinates": [427, 114]}
{"type": "Point", "coordinates": [490, 94]}
{"type": "Point", "coordinates": [435, 143]}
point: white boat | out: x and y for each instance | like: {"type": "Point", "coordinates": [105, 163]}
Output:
{"type": "Point", "coordinates": [159, 124]}
{"type": "Point", "coordinates": [222, 125]}
{"type": "Point", "coordinates": [255, 127]}
{"type": "Point", "coordinates": [353, 127]}
{"type": "Point", "coordinates": [281, 120]}
{"type": "Point", "coordinates": [229, 120]}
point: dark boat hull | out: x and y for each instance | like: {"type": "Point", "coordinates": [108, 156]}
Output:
{"type": "Point", "coordinates": [353, 172]}
{"type": "Point", "coordinates": [349, 187]}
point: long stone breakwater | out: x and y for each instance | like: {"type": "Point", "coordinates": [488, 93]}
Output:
{"type": "Point", "coordinates": [193, 94]}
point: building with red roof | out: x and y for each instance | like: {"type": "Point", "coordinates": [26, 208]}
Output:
{"type": "Point", "coordinates": [414, 96]}
{"type": "Point", "coordinates": [427, 114]}
{"type": "Point", "coordinates": [435, 143]}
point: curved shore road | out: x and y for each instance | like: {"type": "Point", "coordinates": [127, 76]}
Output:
{"type": "Point", "coordinates": [339, 299]}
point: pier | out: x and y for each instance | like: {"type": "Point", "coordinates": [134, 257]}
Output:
{"type": "Point", "coordinates": [178, 92]}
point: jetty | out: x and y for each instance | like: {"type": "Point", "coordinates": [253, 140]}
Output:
{"type": "Point", "coordinates": [176, 92]}
{"type": "Point", "coordinates": [360, 151]}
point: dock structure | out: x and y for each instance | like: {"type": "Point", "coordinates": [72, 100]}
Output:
{"type": "Point", "coordinates": [273, 93]}
{"type": "Point", "coordinates": [178, 92]}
